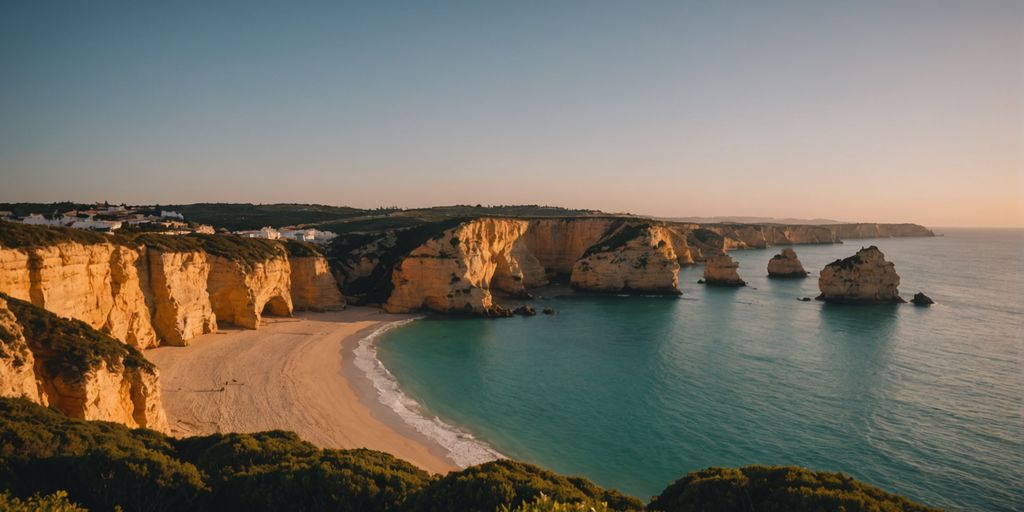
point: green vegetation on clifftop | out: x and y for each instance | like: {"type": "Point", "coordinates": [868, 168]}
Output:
{"type": "Point", "coordinates": [71, 348]}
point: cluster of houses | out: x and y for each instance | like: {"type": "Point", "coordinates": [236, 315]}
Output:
{"type": "Point", "coordinates": [110, 218]}
{"type": "Point", "coordinates": [107, 219]}
{"type": "Point", "coordinates": [310, 235]}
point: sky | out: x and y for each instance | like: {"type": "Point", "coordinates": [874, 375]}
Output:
{"type": "Point", "coordinates": [907, 111]}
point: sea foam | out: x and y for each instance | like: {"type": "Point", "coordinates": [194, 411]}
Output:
{"type": "Point", "coordinates": [463, 449]}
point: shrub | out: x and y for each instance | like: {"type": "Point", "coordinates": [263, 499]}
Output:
{"type": "Point", "coordinates": [70, 348]}
{"type": "Point", "coordinates": [489, 486]}
{"type": "Point", "coordinates": [56, 502]}
{"type": "Point", "coordinates": [776, 488]}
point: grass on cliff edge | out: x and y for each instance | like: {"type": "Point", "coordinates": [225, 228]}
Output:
{"type": "Point", "coordinates": [70, 348]}
{"type": "Point", "coordinates": [245, 250]}
{"type": "Point", "coordinates": [102, 465]}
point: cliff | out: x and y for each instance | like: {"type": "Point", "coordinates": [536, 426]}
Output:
{"type": "Point", "coordinates": [149, 290]}
{"type": "Point", "coordinates": [313, 285]}
{"type": "Point", "coordinates": [633, 258]}
{"type": "Point", "coordinates": [17, 364]}
{"type": "Point", "coordinates": [470, 265]}
{"type": "Point", "coordinates": [182, 308]}
{"type": "Point", "coordinates": [862, 278]}
{"type": "Point", "coordinates": [75, 369]}
{"type": "Point", "coordinates": [241, 293]}
{"type": "Point", "coordinates": [786, 264]}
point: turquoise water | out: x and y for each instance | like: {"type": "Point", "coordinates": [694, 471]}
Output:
{"type": "Point", "coordinates": [634, 392]}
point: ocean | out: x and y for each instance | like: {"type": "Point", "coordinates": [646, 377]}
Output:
{"type": "Point", "coordinates": [634, 392]}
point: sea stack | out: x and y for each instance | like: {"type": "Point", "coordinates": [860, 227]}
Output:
{"type": "Point", "coordinates": [720, 270]}
{"type": "Point", "coordinates": [864, 277]}
{"type": "Point", "coordinates": [920, 299]}
{"type": "Point", "coordinates": [785, 264]}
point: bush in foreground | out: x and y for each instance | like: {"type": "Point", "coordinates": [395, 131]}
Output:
{"type": "Point", "coordinates": [102, 466]}
{"type": "Point", "coordinates": [776, 488]}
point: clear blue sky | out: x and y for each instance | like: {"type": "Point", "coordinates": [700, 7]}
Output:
{"type": "Point", "coordinates": [875, 111]}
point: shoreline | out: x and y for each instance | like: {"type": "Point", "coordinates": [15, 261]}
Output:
{"type": "Point", "coordinates": [402, 412]}
{"type": "Point", "coordinates": [295, 374]}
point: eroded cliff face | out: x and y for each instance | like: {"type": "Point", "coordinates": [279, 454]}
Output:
{"type": "Point", "coordinates": [313, 286]}
{"type": "Point", "coordinates": [79, 371]}
{"type": "Point", "coordinates": [240, 293]}
{"type": "Point", "coordinates": [634, 259]}
{"type": "Point", "coordinates": [104, 285]}
{"type": "Point", "coordinates": [182, 308]}
{"type": "Point", "coordinates": [129, 396]}
{"type": "Point", "coordinates": [456, 270]}
{"type": "Point", "coordinates": [862, 278]}
{"type": "Point", "coordinates": [464, 269]}
{"type": "Point", "coordinates": [17, 374]}
{"type": "Point", "coordinates": [786, 264]}
{"type": "Point", "coordinates": [146, 297]}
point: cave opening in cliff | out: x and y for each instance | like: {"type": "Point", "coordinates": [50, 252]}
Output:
{"type": "Point", "coordinates": [277, 306]}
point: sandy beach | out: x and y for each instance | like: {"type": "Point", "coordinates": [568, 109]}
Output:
{"type": "Point", "coordinates": [292, 374]}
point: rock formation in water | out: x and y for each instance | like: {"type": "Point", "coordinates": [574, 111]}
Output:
{"type": "Point", "coordinates": [469, 266]}
{"type": "Point", "coordinates": [75, 369]}
{"type": "Point", "coordinates": [721, 270]}
{"type": "Point", "coordinates": [157, 289]}
{"type": "Point", "coordinates": [862, 278]}
{"type": "Point", "coordinates": [785, 264]}
{"type": "Point", "coordinates": [920, 299]}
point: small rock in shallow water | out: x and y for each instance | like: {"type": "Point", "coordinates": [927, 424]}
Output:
{"type": "Point", "coordinates": [921, 299]}
{"type": "Point", "coordinates": [549, 311]}
{"type": "Point", "coordinates": [525, 310]}
{"type": "Point", "coordinates": [804, 299]}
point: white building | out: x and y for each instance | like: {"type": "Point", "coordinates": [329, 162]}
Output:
{"type": "Point", "coordinates": [266, 232]}
{"type": "Point", "coordinates": [308, 235]}
{"type": "Point", "coordinates": [97, 225]}
{"type": "Point", "coordinates": [36, 219]}
{"type": "Point", "coordinates": [165, 214]}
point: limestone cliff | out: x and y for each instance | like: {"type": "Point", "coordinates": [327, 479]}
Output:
{"type": "Point", "coordinates": [633, 258]}
{"type": "Point", "coordinates": [456, 270]}
{"type": "Point", "coordinates": [313, 286]}
{"type": "Point", "coordinates": [242, 292]}
{"type": "Point", "coordinates": [786, 264]}
{"type": "Point", "coordinates": [470, 266]}
{"type": "Point", "coordinates": [864, 277]}
{"type": "Point", "coordinates": [155, 289]}
{"type": "Point", "coordinates": [182, 308]}
{"type": "Point", "coordinates": [104, 285]}
{"type": "Point", "coordinates": [79, 371]}
{"type": "Point", "coordinates": [721, 270]}
{"type": "Point", "coordinates": [17, 375]}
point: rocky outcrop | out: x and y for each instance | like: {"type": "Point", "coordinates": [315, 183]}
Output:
{"type": "Point", "coordinates": [920, 299]}
{"type": "Point", "coordinates": [104, 285]}
{"type": "Point", "coordinates": [633, 258]}
{"type": "Point", "coordinates": [242, 292]}
{"type": "Point", "coordinates": [457, 270]}
{"type": "Point", "coordinates": [313, 285]}
{"type": "Point", "coordinates": [721, 270]}
{"type": "Point", "coordinates": [785, 265]}
{"type": "Point", "coordinates": [159, 289]}
{"type": "Point", "coordinates": [17, 374]}
{"type": "Point", "coordinates": [77, 370]}
{"type": "Point", "coordinates": [182, 308]}
{"type": "Point", "coordinates": [862, 278]}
